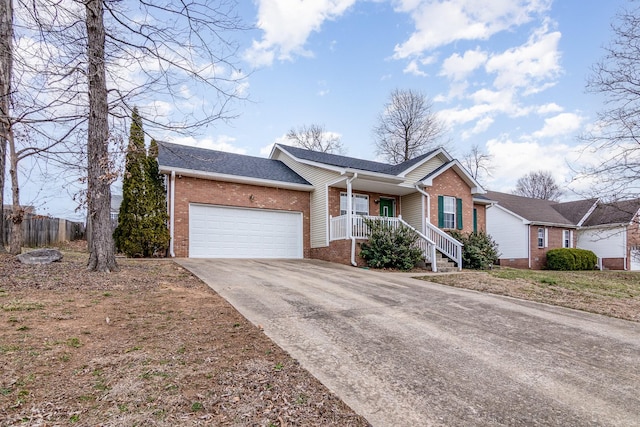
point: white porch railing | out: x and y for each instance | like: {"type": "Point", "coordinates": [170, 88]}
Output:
{"type": "Point", "coordinates": [360, 230]}
{"type": "Point", "coordinates": [446, 244]}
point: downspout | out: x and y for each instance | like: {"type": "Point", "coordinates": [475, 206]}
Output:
{"type": "Point", "coordinates": [626, 249]}
{"type": "Point", "coordinates": [172, 209]}
{"type": "Point", "coordinates": [428, 219]}
{"type": "Point", "coordinates": [529, 246]}
{"type": "Point", "coordinates": [350, 220]}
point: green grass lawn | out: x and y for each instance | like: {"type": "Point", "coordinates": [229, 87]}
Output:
{"type": "Point", "coordinates": [616, 284]}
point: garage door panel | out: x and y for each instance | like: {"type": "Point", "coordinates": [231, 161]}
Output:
{"type": "Point", "coordinates": [227, 232]}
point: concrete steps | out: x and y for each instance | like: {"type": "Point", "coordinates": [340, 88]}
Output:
{"type": "Point", "coordinates": [444, 264]}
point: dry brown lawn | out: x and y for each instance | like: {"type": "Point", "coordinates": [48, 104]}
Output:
{"type": "Point", "coordinates": [148, 345]}
{"type": "Point", "coordinates": [612, 293]}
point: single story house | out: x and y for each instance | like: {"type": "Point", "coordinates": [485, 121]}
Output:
{"type": "Point", "coordinates": [526, 228]}
{"type": "Point", "coordinates": [307, 204]}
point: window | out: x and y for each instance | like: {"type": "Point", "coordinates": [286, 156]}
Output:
{"type": "Point", "coordinates": [449, 211]}
{"type": "Point", "coordinates": [566, 238]}
{"type": "Point", "coordinates": [541, 237]}
{"type": "Point", "coordinates": [359, 204]}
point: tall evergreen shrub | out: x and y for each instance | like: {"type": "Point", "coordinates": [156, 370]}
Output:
{"type": "Point", "coordinates": [142, 229]}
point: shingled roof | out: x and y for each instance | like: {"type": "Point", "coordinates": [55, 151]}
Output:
{"type": "Point", "coordinates": [621, 212]}
{"type": "Point", "coordinates": [176, 156]}
{"type": "Point", "coordinates": [575, 210]}
{"type": "Point", "coordinates": [534, 210]}
{"type": "Point", "coordinates": [352, 162]}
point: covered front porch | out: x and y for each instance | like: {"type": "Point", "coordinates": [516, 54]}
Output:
{"type": "Point", "coordinates": [435, 240]}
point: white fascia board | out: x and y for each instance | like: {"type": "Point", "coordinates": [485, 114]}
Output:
{"type": "Point", "coordinates": [553, 224]}
{"type": "Point", "coordinates": [426, 159]}
{"type": "Point", "coordinates": [236, 179]}
{"type": "Point", "coordinates": [593, 227]}
{"type": "Point", "coordinates": [306, 162]}
{"type": "Point", "coordinates": [374, 176]}
{"type": "Point", "coordinates": [589, 212]}
{"type": "Point", "coordinates": [524, 220]}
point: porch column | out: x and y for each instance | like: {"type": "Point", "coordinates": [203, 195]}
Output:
{"type": "Point", "coordinates": [349, 209]}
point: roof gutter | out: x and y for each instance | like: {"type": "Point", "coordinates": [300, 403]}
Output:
{"type": "Point", "coordinates": [236, 178]}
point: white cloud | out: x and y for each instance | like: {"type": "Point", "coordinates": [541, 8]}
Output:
{"type": "Point", "coordinates": [286, 25]}
{"type": "Point", "coordinates": [512, 160]}
{"type": "Point", "coordinates": [552, 107]}
{"type": "Point", "coordinates": [481, 126]}
{"type": "Point", "coordinates": [562, 124]}
{"type": "Point", "coordinates": [413, 68]}
{"type": "Point", "coordinates": [220, 143]}
{"type": "Point", "coordinates": [441, 22]}
{"type": "Point", "coordinates": [458, 67]}
{"type": "Point", "coordinates": [529, 65]}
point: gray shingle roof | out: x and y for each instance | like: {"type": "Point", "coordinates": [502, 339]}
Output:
{"type": "Point", "coordinates": [352, 162]}
{"type": "Point", "coordinates": [200, 159]}
{"type": "Point", "coordinates": [534, 210]}
{"type": "Point", "coordinates": [576, 210]}
{"type": "Point", "coordinates": [621, 212]}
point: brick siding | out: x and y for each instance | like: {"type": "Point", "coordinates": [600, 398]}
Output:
{"type": "Point", "coordinates": [195, 190]}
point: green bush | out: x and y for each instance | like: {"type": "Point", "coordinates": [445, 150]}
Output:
{"type": "Point", "coordinates": [390, 247]}
{"type": "Point", "coordinates": [568, 259]}
{"type": "Point", "coordinates": [479, 252]}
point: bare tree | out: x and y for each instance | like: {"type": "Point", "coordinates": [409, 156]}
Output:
{"type": "Point", "coordinates": [6, 62]}
{"type": "Point", "coordinates": [102, 58]}
{"type": "Point", "coordinates": [407, 127]}
{"type": "Point", "coordinates": [615, 137]}
{"type": "Point", "coordinates": [538, 185]}
{"type": "Point", "coordinates": [478, 163]}
{"type": "Point", "coordinates": [315, 137]}
{"type": "Point", "coordinates": [101, 248]}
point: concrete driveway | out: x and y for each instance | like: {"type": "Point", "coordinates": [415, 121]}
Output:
{"type": "Point", "coordinates": [404, 352]}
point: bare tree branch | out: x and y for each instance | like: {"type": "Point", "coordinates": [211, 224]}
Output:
{"type": "Point", "coordinates": [538, 185]}
{"type": "Point", "coordinates": [315, 137]}
{"type": "Point", "coordinates": [407, 127]}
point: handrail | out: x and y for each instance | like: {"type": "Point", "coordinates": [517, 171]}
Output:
{"type": "Point", "coordinates": [446, 244]}
{"type": "Point", "coordinates": [427, 245]}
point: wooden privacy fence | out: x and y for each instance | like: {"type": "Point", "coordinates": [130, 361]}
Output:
{"type": "Point", "coordinates": [38, 230]}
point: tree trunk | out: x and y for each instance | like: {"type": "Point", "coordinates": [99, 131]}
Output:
{"type": "Point", "coordinates": [17, 213]}
{"type": "Point", "coordinates": [6, 69]}
{"type": "Point", "coordinates": [101, 251]}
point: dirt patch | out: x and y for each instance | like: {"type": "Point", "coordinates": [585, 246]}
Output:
{"type": "Point", "coordinates": [148, 345]}
{"type": "Point", "coordinates": [604, 292]}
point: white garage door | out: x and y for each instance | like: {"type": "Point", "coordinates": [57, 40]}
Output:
{"type": "Point", "coordinates": [634, 264]}
{"type": "Point", "coordinates": [225, 232]}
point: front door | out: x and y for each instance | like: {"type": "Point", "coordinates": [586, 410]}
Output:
{"type": "Point", "coordinates": [386, 207]}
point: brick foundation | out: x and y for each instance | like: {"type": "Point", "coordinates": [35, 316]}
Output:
{"type": "Point", "coordinates": [339, 251]}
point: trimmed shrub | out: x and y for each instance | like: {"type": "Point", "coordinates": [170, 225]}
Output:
{"type": "Point", "coordinates": [390, 247]}
{"type": "Point", "coordinates": [479, 252]}
{"type": "Point", "coordinates": [571, 259]}
{"type": "Point", "coordinates": [561, 259]}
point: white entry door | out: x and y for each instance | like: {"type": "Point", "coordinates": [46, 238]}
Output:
{"type": "Point", "coordinates": [229, 232]}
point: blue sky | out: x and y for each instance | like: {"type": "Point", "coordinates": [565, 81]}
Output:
{"type": "Point", "coordinates": [507, 75]}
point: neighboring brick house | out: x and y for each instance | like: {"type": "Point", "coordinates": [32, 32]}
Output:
{"type": "Point", "coordinates": [301, 203]}
{"type": "Point", "coordinates": [525, 229]}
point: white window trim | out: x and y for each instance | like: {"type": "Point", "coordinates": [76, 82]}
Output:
{"type": "Point", "coordinates": [452, 213]}
{"type": "Point", "coordinates": [545, 236]}
{"type": "Point", "coordinates": [567, 237]}
{"type": "Point", "coordinates": [354, 204]}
